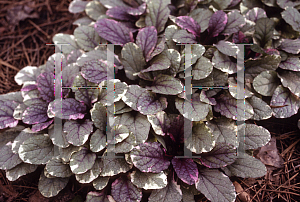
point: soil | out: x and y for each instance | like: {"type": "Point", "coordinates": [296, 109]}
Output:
{"type": "Point", "coordinates": [23, 43]}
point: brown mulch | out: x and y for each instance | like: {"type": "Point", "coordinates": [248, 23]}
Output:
{"type": "Point", "coordinates": [23, 43]}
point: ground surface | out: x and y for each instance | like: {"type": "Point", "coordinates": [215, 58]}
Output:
{"type": "Point", "coordinates": [22, 43]}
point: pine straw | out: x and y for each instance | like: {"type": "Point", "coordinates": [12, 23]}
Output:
{"type": "Point", "coordinates": [26, 44]}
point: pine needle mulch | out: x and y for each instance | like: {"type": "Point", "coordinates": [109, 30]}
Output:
{"type": "Point", "coordinates": [23, 43]}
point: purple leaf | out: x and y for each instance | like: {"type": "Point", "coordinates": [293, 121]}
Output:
{"type": "Point", "coordinates": [234, 22]}
{"type": "Point", "coordinates": [45, 84]}
{"type": "Point", "coordinates": [119, 13]}
{"type": "Point", "coordinates": [188, 23]}
{"type": "Point", "coordinates": [94, 196]}
{"type": "Point", "coordinates": [217, 23]}
{"type": "Point", "coordinates": [233, 3]}
{"type": "Point", "coordinates": [6, 114]}
{"type": "Point", "coordinates": [29, 87]}
{"type": "Point", "coordinates": [149, 157]}
{"type": "Point", "coordinates": [78, 133]}
{"type": "Point", "coordinates": [146, 39]}
{"type": "Point", "coordinates": [186, 170]}
{"type": "Point", "coordinates": [256, 13]}
{"type": "Point", "coordinates": [41, 126]}
{"type": "Point", "coordinates": [182, 36]}
{"type": "Point", "coordinates": [290, 45]}
{"type": "Point", "coordinates": [71, 109]}
{"type": "Point", "coordinates": [95, 71]}
{"type": "Point", "coordinates": [69, 73]}
{"type": "Point", "coordinates": [158, 14]}
{"type": "Point", "coordinates": [222, 155]}
{"type": "Point", "coordinates": [176, 130]}
{"type": "Point", "coordinates": [122, 190]}
{"type": "Point", "coordinates": [113, 31]}
{"type": "Point", "coordinates": [159, 47]}
{"type": "Point", "coordinates": [82, 161]}
{"type": "Point", "coordinates": [8, 159]}
{"type": "Point", "coordinates": [166, 84]}
{"type": "Point", "coordinates": [137, 11]}
{"type": "Point", "coordinates": [35, 114]}
{"type": "Point", "coordinates": [292, 63]}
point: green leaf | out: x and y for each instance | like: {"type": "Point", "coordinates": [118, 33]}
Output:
{"type": "Point", "coordinates": [266, 82]}
{"type": "Point", "coordinates": [170, 193]}
{"type": "Point", "coordinates": [50, 187]}
{"type": "Point", "coordinates": [82, 161]}
{"type": "Point", "coordinates": [202, 68]}
{"type": "Point", "coordinates": [246, 166]}
{"type": "Point", "coordinates": [263, 34]}
{"type": "Point", "coordinates": [261, 109]}
{"type": "Point", "coordinates": [36, 150]}
{"type": "Point", "coordinates": [149, 180]}
{"type": "Point", "coordinates": [202, 139]}
{"type": "Point", "coordinates": [57, 168]}
{"type": "Point", "coordinates": [215, 185]}
{"type": "Point", "coordinates": [114, 166]}
{"type": "Point", "coordinates": [292, 16]}
{"type": "Point", "coordinates": [166, 84]}
{"type": "Point", "coordinates": [256, 136]}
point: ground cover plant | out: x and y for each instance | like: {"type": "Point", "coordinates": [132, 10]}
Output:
{"type": "Point", "coordinates": [149, 102]}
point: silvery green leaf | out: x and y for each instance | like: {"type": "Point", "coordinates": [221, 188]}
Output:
{"type": "Point", "coordinates": [224, 130]}
{"type": "Point", "coordinates": [86, 37]}
{"type": "Point", "coordinates": [77, 6]}
{"type": "Point", "coordinates": [202, 68]}
{"type": "Point", "coordinates": [182, 36]}
{"type": "Point", "coordinates": [291, 16]}
{"type": "Point", "coordinates": [290, 45]}
{"type": "Point", "coordinates": [160, 62]}
{"type": "Point", "coordinates": [65, 153]}
{"type": "Point", "coordinates": [160, 122]}
{"type": "Point", "coordinates": [223, 63]}
{"type": "Point", "coordinates": [82, 161]}
{"type": "Point", "coordinates": [144, 101]}
{"type": "Point", "coordinates": [157, 14]}
{"type": "Point", "coordinates": [149, 157]}
{"type": "Point", "coordinates": [41, 126]}
{"type": "Point", "coordinates": [221, 155]}
{"type": "Point", "coordinates": [82, 92]}
{"type": "Point", "coordinates": [65, 39]}
{"type": "Point", "coordinates": [166, 84]}
{"type": "Point", "coordinates": [57, 168]}
{"type": "Point", "coordinates": [137, 124]}
{"type": "Point", "coordinates": [291, 63]}
{"type": "Point", "coordinates": [204, 98]}
{"type": "Point", "coordinates": [255, 67]}
{"type": "Point", "coordinates": [201, 16]}
{"type": "Point", "coordinates": [9, 135]}
{"type": "Point", "coordinates": [97, 54]}
{"type": "Point", "coordinates": [227, 48]}
{"type": "Point", "coordinates": [227, 106]}
{"type": "Point", "coordinates": [120, 108]}
{"type": "Point", "coordinates": [284, 3]}
{"type": "Point", "coordinates": [94, 196]}
{"type": "Point", "coordinates": [24, 135]}
{"type": "Point", "coordinates": [58, 139]}
{"type": "Point", "coordinates": [215, 185]}
{"type": "Point", "coordinates": [197, 51]}
{"type": "Point", "coordinates": [98, 115]}
{"type": "Point", "coordinates": [264, 29]}
{"type": "Point", "coordinates": [149, 180]}
{"type": "Point", "coordinates": [91, 174]}
{"type": "Point", "coordinates": [123, 190]}
{"type": "Point", "coordinates": [78, 133]}
{"type": "Point", "coordinates": [261, 109]}
{"type": "Point", "coordinates": [113, 3]}
{"type": "Point", "coordinates": [100, 182]}
{"type": "Point", "coordinates": [8, 159]}
{"type": "Point", "coordinates": [288, 103]}
{"type": "Point", "coordinates": [201, 140]}
{"type": "Point", "coordinates": [114, 166]}
{"type": "Point", "coordinates": [174, 57]}
{"type": "Point", "coordinates": [256, 13]}
{"type": "Point", "coordinates": [6, 114]}
{"type": "Point", "coordinates": [132, 58]}
{"type": "Point", "coordinates": [170, 193]}
{"type": "Point", "coordinates": [94, 9]}
{"type": "Point", "coordinates": [83, 21]}
{"type": "Point", "coordinates": [120, 88]}
{"type": "Point", "coordinates": [50, 187]}
{"type": "Point", "coordinates": [20, 170]}
{"type": "Point", "coordinates": [169, 33]}
{"type": "Point", "coordinates": [266, 82]}
{"type": "Point", "coordinates": [36, 150]}
{"type": "Point", "coordinates": [256, 136]}
{"type": "Point", "coordinates": [246, 166]}
{"type": "Point", "coordinates": [291, 80]}
{"type": "Point", "coordinates": [121, 132]}
{"type": "Point", "coordinates": [234, 22]}
{"type": "Point", "coordinates": [187, 195]}
{"type": "Point", "coordinates": [28, 73]}
{"type": "Point", "coordinates": [194, 110]}
{"type": "Point", "coordinates": [97, 141]}
{"type": "Point", "coordinates": [126, 145]}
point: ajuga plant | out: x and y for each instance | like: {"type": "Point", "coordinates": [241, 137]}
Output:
{"type": "Point", "coordinates": [149, 105]}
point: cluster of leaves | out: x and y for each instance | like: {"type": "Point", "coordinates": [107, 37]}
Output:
{"type": "Point", "coordinates": [149, 104]}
